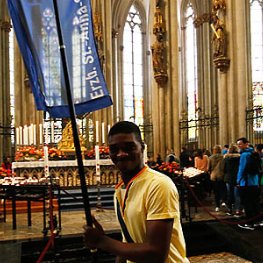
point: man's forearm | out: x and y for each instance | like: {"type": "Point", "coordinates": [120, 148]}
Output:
{"type": "Point", "coordinates": [120, 260]}
{"type": "Point", "coordinates": [131, 251]}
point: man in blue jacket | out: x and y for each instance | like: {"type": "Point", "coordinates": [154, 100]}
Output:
{"type": "Point", "coordinates": [249, 186]}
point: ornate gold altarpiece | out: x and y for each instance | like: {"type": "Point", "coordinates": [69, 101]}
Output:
{"type": "Point", "coordinates": [66, 171]}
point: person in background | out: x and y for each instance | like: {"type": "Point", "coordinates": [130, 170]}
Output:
{"type": "Point", "coordinates": [248, 184]}
{"type": "Point", "coordinates": [159, 160]}
{"type": "Point", "coordinates": [151, 163]}
{"type": "Point", "coordinates": [225, 149]}
{"type": "Point", "coordinates": [171, 157]}
{"type": "Point", "coordinates": [146, 203]}
{"type": "Point", "coordinates": [185, 158]}
{"type": "Point", "coordinates": [259, 150]}
{"type": "Point", "coordinates": [201, 162]}
{"type": "Point", "coordinates": [217, 176]}
{"type": "Point", "coordinates": [207, 152]}
{"type": "Point", "coordinates": [230, 166]}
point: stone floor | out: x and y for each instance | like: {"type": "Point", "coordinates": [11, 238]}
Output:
{"type": "Point", "coordinates": [223, 257]}
{"type": "Point", "coordinates": [73, 221]}
{"type": "Point", "coordinates": [72, 224]}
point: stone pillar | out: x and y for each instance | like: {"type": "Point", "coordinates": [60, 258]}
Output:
{"type": "Point", "coordinates": [238, 83]}
{"type": "Point", "coordinates": [108, 47]}
{"type": "Point", "coordinates": [222, 107]}
{"type": "Point", "coordinates": [174, 75]}
{"type": "Point", "coordinates": [162, 123]}
{"type": "Point", "coordinates": [5, 114]}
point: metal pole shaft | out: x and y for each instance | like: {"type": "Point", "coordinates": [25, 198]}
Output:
{"type": "Point", "coordinates": [73, 120]}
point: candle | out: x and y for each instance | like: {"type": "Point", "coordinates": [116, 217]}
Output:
{"type": "Point", "coordinates": [24, 134]}
{"type": "Point", "coordinates": [46, 133]}
{"type": "Point", "coordinates": [46, 170]}
{"type": "Point", "coordinates": [28, 130]}
{"type": "Point", "coordinates": [17, 136]}
{"type": "Point", "coordinates": [31, 134]}
{"type": "Point", "coordinates": [108, 128]}
{"type": "Point", "coordinates": [45, 154]}
{"type": "Point", "coordinates": [21, 135]}
{"type": "Point", "coordinates": [97, 158]}
{"type": "Point", "coordinates": [34, 134]}
{"type": "Point", "coordinates": [102, 132]}
{"type": "Point", "coordinates": [40, 133]}
{"type": "Point", "coordinates": [97, 131]}
{"type": "Point", "coordinates": [52, 132]}
{"type": "Point", "coordinates": [25, 131]}
{"type": "Point", "coordinates": [145, 154]}
{"type": "Point", "coordinates": [97, 153]}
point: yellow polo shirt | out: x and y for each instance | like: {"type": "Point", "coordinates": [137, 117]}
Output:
{"type": "Point", "coordinates": [151, 195]}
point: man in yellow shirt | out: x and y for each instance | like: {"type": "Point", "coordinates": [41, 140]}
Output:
{"type": "Point", "coordinates": [147, 204]}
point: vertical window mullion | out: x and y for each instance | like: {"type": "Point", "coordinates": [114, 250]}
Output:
{"type": "Point", "coordinates": [133, 73]}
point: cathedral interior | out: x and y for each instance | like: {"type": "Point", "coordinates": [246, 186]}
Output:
{"type": "Point", "coordinates": [188, 72]}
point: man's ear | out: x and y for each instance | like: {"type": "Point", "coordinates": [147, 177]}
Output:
{"type": "Point", "coordinates": [143, 145]}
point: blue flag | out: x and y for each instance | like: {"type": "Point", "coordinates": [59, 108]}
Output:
{"type": "Point", "coordinates": [36, 31]}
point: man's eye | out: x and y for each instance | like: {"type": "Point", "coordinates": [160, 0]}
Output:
{"type": "Point", "coordinates": [113, 149]}
{"type": "Point", "coordinates": [129, 148]}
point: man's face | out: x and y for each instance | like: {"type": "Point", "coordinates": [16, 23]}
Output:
{"type": "Point", "coordinates": [126, 153]}
{"type": "Point", "coordinates": [241, 145]}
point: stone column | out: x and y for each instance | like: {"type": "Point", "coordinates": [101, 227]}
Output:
{"type": "Point", "coordinates": [238, 82]}
{"type": "Point", "coordinates": [5, 114]}
{"type": "Point", "coordinates": [161, 103]}
{"type": "Point", "coordinates": [222, 107]}
{"type": "Point", "coordinates": [174, 75]}
{"type": "Point", "coordinates": [108, 52]}
{"type": "Point", "coordinates": [162, 128]}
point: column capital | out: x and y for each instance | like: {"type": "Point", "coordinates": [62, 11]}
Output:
{"type": "Point", "coordinates": [6, 26]}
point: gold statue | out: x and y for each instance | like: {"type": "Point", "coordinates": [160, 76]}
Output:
{"type": "Point", "coordinates": [219, 5]}
{"type": "Point", "coordinates": [217, 21]}
{"type": "Point", "coordinates": [66, 144]}
{"type": "Point", "coordinates": [159, 25]}
{"type": "Point", "coordinates": [159, 48]}
{"type": "Point", "coordinates": [219, 37]}
{"type": "Point", "coordinates": [158, 57]}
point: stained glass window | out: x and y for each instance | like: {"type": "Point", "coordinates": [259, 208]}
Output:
{"type": "Point", "coordinates": [256, 22]}
{"type": "Point", "coordinates": [133, 67]}
{"type": "Point", "coordinates": [77, 54]}
{"type": "Point", "coordinates": [50, 44]}
{"type": "Point", "coordinates": [191, 68]}
{"type": "Point", "coordinates": [52, 58]}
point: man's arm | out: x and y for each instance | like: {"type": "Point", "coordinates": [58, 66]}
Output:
{"type": "Point", "coordinates": [241, 168]}
{"type": "Point", "coordinates": [120, 260]}
{"type": "Point", "coordinates": [155, 249]}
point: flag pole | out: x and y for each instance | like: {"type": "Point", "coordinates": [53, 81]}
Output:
{"type": "Point", "coordinates": [73, 120]}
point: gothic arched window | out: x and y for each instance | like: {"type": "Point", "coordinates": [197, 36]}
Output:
{"type": "Point", "coordinates": [256, 22]}
{"type": "Point", "coordinates": [190, 62]}
{"type": "Point", "coordinates": [133, 67]}
{"type": "Point", "coordinates": [51, 58]}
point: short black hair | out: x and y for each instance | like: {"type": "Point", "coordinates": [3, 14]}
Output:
{"type": "Point", "coordinates": [126, 127]}
{"type": "Point", "coordinates": [259, 147]}
{"type": "Point", "coordinates": [243, 139]}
